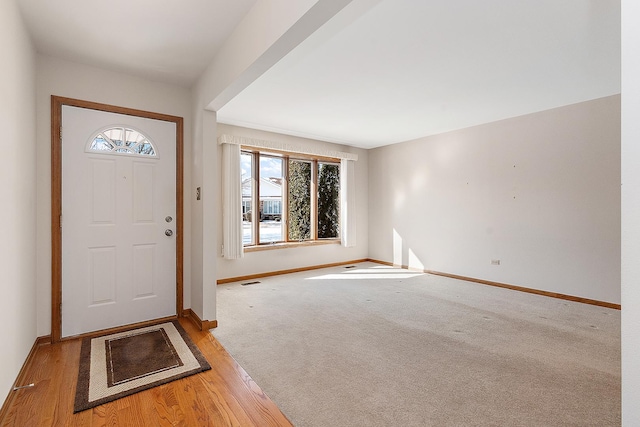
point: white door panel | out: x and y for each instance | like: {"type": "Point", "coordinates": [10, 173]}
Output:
{"type": "Point", "coordinates": [118, 266]}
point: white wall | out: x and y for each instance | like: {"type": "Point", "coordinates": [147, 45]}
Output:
{"type": "Point", "coordinates": [630, 213]}
{"type": "Point", "coordinates": [284, 259]}
{"type": "Point", "coordinates": [540, 192]}
{"type": "Point", "coordinates": [18, 195]}
{"type": "Point", "coordinates": [204, 241]}
{"type": "Point", "coordinates": [63, 78]}
{"type": "Point", "coordinates": [267, 33]}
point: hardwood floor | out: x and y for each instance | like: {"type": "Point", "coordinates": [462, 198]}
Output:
{"type": "Point", "coordinates": [222, 396]}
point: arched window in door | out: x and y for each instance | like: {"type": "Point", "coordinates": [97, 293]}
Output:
{"type": "Point", "coordinates": [122, 140]}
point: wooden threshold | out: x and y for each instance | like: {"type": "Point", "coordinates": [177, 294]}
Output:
{"type": "Point", "coordinates": [119, 329]}
{"type": "Point", "coordinates": [223, 396]}
{"type": "Point", "coordinates": [508, 286]}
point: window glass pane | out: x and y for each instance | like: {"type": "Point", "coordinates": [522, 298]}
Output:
{"type": "Point", "coordinates": [133, 137]}
{"type": "Point", "coordinates": [122, 140]}
{"type": "Point", "coordinates": [271, 199]}
{"type": "Point", "coordinates": [101, 144]}
{"type": "Point", "coordinates": [328, 200]}
{"type": "Point", "coordinates": [115, 135]}
{"type": "Point", "coordinates": [299, 200]}
{"type": "Point", "coordinates": [144, 148]}
{"type": "Point", "coordinates": [246, 169]}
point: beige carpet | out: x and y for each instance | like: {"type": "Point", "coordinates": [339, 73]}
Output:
{"type": "Point", "coordinates": [376, 346]}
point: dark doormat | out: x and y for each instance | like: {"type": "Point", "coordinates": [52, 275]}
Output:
{"type": "Point", "coordinates": [121, 364]}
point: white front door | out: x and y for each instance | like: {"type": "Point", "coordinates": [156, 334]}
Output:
{"type": "Point", "coordinates": [118, 220]}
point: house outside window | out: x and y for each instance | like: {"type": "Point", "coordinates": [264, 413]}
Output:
{"type": "Point", "coordinates": [297, 198]}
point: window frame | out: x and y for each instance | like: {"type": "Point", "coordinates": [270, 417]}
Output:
{"type": "Point", "coordinates": [255, 244]}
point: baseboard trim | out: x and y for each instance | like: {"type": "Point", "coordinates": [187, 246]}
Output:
{"type": "Point", "coordinates": [280, 272]}
{"type": "Point", "coordinates": [529, 290]}
{"type": "Point", "coordinates": [512, 287]}
{"type": "Point", "coordinates": [377, 261]}
{"type": "Point", "coordinates": [20, 379]}
{"type": "Point", "coordinates": [198, 323]}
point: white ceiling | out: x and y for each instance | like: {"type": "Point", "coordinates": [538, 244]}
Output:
{"type": "Point", "coordinates": [380, 72]}
{"type": "Point", "coordinates": [411, 68]}
{"type": "Point", "coordinates": [164, 40]}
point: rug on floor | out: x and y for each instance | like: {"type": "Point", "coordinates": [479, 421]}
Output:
{"type": "Point", "coordinates": [124, 363]}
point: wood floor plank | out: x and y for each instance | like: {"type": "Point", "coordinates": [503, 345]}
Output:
{"type": "Point", "coordinates": [223, 396]}
{"type": "Point", "coordinates": [247, 401]}
{"type": "Point", "coordinates": [204, 409]}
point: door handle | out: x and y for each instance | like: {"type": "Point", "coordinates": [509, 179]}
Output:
{"type": "Point", "coordinates": [168, 232]}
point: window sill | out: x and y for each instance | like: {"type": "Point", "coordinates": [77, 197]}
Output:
{"type": "Point", "coordinates": [287, 245]}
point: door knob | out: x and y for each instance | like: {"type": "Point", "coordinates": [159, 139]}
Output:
{"type": "Point", "coordinates": [168, 232]}
{"type": "Point", "coordinates": [168, 219]}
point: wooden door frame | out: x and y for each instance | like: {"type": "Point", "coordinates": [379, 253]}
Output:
{"type": "Point", "coordinates": [57, 102]}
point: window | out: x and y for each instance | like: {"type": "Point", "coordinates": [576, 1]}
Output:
{"type": "Point", "coordinates": [120, 140]}
{"type": "Point", "coordinates": [296, 198]}
{"type": "Point", "coordinates": [328, 200]}
{"type": "Point", "coordinates": [246, 170]}
{"type": "Point", "coordinates": [299, 213]}
{"type": "Point", "coordinates": [270, 183]}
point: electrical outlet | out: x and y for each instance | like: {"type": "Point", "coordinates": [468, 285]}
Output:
{"type": "Point", "coordinates": [495, 262]}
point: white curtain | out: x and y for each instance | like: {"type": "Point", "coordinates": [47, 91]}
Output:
{"type": "Point", "coordinates": [348, 203]}
{"type": "Point", "coordinates": [232, 247]}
